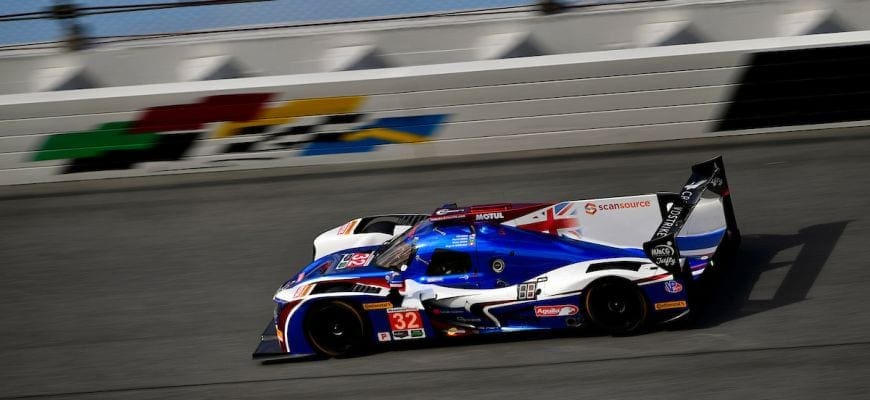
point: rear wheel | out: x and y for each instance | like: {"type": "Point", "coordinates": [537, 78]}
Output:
{"type": "Point", "coordinates": [336, 329]}
{"type": "Point", "coordinates": [616, 306]}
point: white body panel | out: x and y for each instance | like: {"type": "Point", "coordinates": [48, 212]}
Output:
{"type": "Point", "coordinates": [342, 238]}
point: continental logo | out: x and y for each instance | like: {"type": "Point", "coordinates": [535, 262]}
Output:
{"type": "Point", "coordinates": [592, 208]}
{"type": "Point", "coordinates": [377, 306]}
{"type": "Point", "coordinates": [670, 305]}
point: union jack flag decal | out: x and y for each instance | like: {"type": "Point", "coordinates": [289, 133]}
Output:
{"type": "Point", "coordinates": [557, 220]}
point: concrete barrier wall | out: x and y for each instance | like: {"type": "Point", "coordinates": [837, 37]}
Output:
{"type": "Point", "coordinates": [617, 96]}
{"type": "Point", "coordinates": [426, 41]}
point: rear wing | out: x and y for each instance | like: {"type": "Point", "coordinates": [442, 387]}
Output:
{"type": "Point", "coordinates": [709, 177]}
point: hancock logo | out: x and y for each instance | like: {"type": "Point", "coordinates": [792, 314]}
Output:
{"type": "Point", "coordinates": [591, 209]}
{"type": "Point", "coordinates": [662, 250]}
{"type": "Point", "coordinates": [489, 216]}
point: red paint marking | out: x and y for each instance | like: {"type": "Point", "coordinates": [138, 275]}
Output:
{"type": "Point", "coordinates": [185, 117]}
{"type": "Point", "coordinates": [653, 278]}
{"type": "Point", "coordinates": [282, 320]}
{"type": "Point", "coordinates": [551, 225]}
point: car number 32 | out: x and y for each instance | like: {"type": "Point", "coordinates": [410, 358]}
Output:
{"type": "Point", "coordinates": [405, 320]}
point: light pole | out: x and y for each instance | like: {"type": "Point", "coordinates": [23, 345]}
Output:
{"type": "Point", "coordinates": [74, 33]}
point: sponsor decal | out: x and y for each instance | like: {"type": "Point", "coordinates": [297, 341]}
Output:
{"type": "Point", "coordinates": [462, 241]}
{"type": "Point", "coordinates": [377, 306]}
{"type": "Point", "coordinates": [556, 311]}
{"type": "Point", "coordinates": [670, 305]}
{"type": "Point", "coordinates": [354, 260]}
{"type": "Point", "coordinates": [489, 216]}
{"type": "Point", "coordinates": [453, 331]}
{"type": "Point", "coordinates": [347, 228]}
{"type": "Point", "coordinates": [664, 254]}
{"type": "Point", "coordinates": [591, 208]}
{"type": "Point", "coordinates": [399, 335]}
{"type": "Point", "coordinates": [673, 287]}
{"type": "Point", "coordinates": [671, 221]}
{"type": "Point", "coordinates": [384, 337]}
{"type": "Point", "coordinates": [418, 333]}
{"type": "Point", "coordinates": [303, 290]}
{"type": "Point", "coordinates": [620, 205]}
{"type": "Point", "coordinates": [443, 214]}
{"type": "Point", "coordinates": [498, 265]}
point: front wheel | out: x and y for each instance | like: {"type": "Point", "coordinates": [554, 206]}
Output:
{"type": "Point", "coordinates": [616, 306]}
{"type": "Point", "coordinates": [336, 329]}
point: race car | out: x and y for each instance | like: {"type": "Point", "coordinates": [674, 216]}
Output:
{"type": "Point", "coordinates": [612, 264]}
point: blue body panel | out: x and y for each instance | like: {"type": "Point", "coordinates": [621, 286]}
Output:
{"type": "Point", "coordinates": [529, 254]}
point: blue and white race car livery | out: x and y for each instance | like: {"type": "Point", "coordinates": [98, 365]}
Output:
{"type": "Point", "coordinates": [614, 264]}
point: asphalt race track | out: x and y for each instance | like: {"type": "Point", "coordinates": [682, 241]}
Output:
{"type": "Point", "coordinates": [161, 291]}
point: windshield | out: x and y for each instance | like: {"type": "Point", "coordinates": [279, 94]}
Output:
{"type": "Point", "coordinates": [398, 250]}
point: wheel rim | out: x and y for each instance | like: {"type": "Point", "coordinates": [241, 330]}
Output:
{"type": "Point", "coordinates": [615, 306]}
{"type": "Point", "coordinates": [335, 329]}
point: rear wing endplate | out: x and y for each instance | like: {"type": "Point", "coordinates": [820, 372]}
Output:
{"type": "Point", "coordinates": [707, 176]}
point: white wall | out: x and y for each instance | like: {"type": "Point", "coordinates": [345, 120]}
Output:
{"type": "Point", "coordinates": [618, 96]}
{"type": "Point", "coordinates": [424, 42]}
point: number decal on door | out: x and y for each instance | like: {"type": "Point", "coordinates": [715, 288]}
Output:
{"type": "Point", "coordinates": [404, 320]}
{"type": "Point", "coordinates": [406, 323]}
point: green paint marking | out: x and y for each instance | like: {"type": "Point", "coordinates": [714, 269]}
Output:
{"type": "Point", "coordinates": [109, 136]}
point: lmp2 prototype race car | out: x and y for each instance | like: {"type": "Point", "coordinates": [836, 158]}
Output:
{"type": "Point", "coordinates": [614, 264]}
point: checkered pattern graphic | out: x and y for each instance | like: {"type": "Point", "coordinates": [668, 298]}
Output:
{"type": "Point", "coordinates": [303, 130]}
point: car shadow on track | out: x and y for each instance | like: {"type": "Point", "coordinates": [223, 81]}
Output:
{"type": "Point", "coordinates": [727, 295]}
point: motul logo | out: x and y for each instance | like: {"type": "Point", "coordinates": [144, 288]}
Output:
{"type": "Point", "coordinates": [489, 216]}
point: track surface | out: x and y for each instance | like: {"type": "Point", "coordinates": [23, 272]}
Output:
{"type": "Point", "coordinates": [161, 292]}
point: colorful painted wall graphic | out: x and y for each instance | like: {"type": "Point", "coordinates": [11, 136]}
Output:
{"type": "Point", "coordinates": [315, 127]}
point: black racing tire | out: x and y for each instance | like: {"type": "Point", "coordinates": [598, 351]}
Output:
{"type": "Point", "coordinates": [616, 306]}
{"type": "Point", "coordinates": [336, 328]}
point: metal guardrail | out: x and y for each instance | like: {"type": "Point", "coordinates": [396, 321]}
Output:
{"type": "Point", "coordinates": [78, 24]}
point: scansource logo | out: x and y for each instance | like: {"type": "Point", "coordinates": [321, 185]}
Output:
{"type": "Point", "coordinates": [590, 208]}
{"type": "Point", "coordinates": [623, 205]}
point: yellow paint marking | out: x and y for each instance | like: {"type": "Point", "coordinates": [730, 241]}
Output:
{"type": "Point", "coordinates": [384, 134]}
{"type": "Point", "coordinates": [286, 113]}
